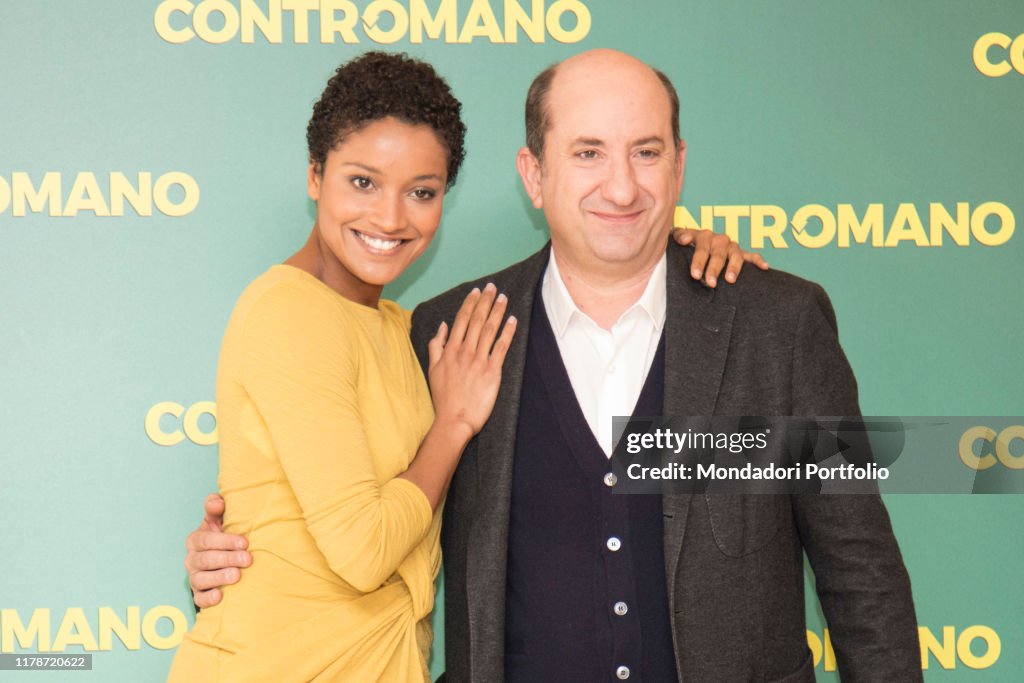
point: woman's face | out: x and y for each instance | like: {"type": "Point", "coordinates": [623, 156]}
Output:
{"type": "Point", "coordinates": [378, 204]}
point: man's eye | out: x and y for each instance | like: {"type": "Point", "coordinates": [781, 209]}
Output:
{"type": "Point", "coordinates": [362, 182]}
{"type": "Point", "coordinates": [587, 154]}
{"type": "Point", "coordinates": [649, 153]}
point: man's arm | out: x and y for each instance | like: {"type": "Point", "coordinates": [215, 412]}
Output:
{"type": "Point", "coordinates": [214, 559]}
{"type": "Point", "coordinates": [862, 583]}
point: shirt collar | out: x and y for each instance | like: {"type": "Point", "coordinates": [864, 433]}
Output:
{"type": "Point", "coordinates": [561, 308]}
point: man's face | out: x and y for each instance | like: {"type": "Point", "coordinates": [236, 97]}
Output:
{"type": "Point", "coordinates": [611, 173]}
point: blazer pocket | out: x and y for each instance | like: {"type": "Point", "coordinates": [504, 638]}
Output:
{"type": "Point", "coordinates": [744, 524]}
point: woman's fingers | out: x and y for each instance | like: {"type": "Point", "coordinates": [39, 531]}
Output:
{"type": "Point", "coordinates": [503, 343]}
{"type": "Point", "coordinates": [756, 259]}
{"type": "Point", "coordinates": [435, 347]}
{"type": "Point", "coordinates": [465, 370]}
{"type": "Point", "coordinates": [701, 252]}
{"type": "Point", "coordinates": [713, 252]}
{"type": "Point", "coordinates": [735, 264]}
{"type": "Point", "coordinates": [719, 251]}
{"type": "Point", "coordinates": [683, 236]}
{"type": "Point", "coordinates": [477, 327]}
{"type": "Point", "coordinates": [479, 317]}
{"type": "Point", "coordinates": [461, 323]}
{"type": "Point", "coordinates": [492, 325]}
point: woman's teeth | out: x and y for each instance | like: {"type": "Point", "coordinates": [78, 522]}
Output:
{"type": "Point", "coordinates": [377, 243]}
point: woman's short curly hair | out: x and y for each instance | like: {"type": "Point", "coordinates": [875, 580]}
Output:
{"type": "Point", "coordinates": [377, 85]}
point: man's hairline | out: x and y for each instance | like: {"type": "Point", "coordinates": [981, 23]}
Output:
{"type": "Point", "coordinates": [678, 144]}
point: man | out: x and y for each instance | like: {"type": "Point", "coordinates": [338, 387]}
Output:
{"type": "Point", "coordinates": [548, 575]}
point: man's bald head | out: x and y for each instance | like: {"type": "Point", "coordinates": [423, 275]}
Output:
{"type": "Point", "coordinates": [584, 65]}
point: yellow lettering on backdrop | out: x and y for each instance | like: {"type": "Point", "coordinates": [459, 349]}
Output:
{"type": "Point", "coordinates": [760, 228]}
{"type": "Point", "coordinates": [300, 10]}
{"type": "Point", "coordinates": [420, 21]}
{"type": "Point", "coordinates": [140, 196]}
{"type": "Point", "coordinates": [941, 220]}
{"type": "Point", "coordinates": [480, 23]}
{"type": "Point", "coordinates": [127, 631]}
{"type": "Point", "coordinates": [269, 24]}
{"type": "Point", "coordinates": [23, 191]}
{"type": "Point", "coordinates": [1006, 228]}
{"type": "Point", "coordinates": [35, 636]}
{"type": "Point", "coordinates": [203, 28]}
{"type": "Point", "coordinates": [870, 226]}
{"type": "Point", "coordinates": [732, 215]}
{"type": "Point", "coordinates": [152, 618]}
{"type": "Point", "coordinates": [74, 630]}
{"type": "Point", "coordinates": [532, 24]}
{"type": "Point", "coordinates": [828, 226]}
{"type": "Point", "coordinates": [553, 21]}
{"type": "Point", "coordinates": [371, 17]}
{"type": "Point", "coordinates": [331, 25]}
{"type": "Point", "coordinates": [85, 195]}
{"type": "Point", "coordinates": [162, 21]}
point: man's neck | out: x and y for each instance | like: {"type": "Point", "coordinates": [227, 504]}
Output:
{"type": "Point", "coordinates": [603, 297]}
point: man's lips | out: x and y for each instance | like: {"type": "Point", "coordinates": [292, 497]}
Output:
{"type": "Point", "coordinates": [617, 217]}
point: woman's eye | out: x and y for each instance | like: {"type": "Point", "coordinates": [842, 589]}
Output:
{"type": "Point", "coordinates": [362, 182]}
{"type": "Point", "coordinates": [424, 194]}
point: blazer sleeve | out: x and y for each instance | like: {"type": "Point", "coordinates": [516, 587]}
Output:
{"type": "Point", "coordinates": [862, 583]}
{"type": "Point", "coordinates": [300, 369]}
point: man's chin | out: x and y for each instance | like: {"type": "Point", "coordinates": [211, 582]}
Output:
{"type": "Point", "coordinates": [624, 247]}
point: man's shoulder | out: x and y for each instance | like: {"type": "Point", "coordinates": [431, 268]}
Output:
{"type": "Point", "coordinates": [767, 291]}
{"type": "Point", "coordinates": [516, 279]}
{"type": "Point", "coordinates": [773, 288]}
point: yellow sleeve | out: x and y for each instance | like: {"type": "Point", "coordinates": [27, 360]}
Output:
{"type": "Point", "coordinates": [299, 368]}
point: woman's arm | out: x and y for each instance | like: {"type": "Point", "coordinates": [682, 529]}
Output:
{"type": "Point", "coordinates": [465, 373]}
{"type": "Point", "coordinates": [300, 370]}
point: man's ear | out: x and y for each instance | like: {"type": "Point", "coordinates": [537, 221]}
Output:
{"type": "Point", "coordinates": [529, 170]}
{"type": "Point", "coordinates": [680, 165]}
{"type": "Point", "coordinates": [313, 183]}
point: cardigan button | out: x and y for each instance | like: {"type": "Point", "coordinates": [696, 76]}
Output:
{"type": "Point", "coordinates": [622, 673]}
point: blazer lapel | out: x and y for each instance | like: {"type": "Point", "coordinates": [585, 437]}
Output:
{"type": "Point", "coordinates": [495, 447]}
{"type": "Point", "coordinates": [697, 333]}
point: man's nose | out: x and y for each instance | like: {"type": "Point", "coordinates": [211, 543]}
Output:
{"type": "Point", "coordinates": [620, 186]}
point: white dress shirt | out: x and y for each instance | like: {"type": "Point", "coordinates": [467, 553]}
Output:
{"type": "Point", "coordinates": [607, 368]}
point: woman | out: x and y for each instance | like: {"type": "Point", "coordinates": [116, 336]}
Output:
{"type": "Point", "coordinates": [333, 462]}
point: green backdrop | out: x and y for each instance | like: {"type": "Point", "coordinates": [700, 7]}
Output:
{"type": "Point", "coordinates": [152, 162]}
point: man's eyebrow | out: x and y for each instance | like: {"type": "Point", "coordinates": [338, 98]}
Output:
{"type": "Point", "coordinates": [597, 142]}
{"type": "Point", "coordinates": [649, 140]}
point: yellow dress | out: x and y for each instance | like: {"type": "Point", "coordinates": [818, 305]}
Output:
{"type": "Point", "coordinates": [321, 403]}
